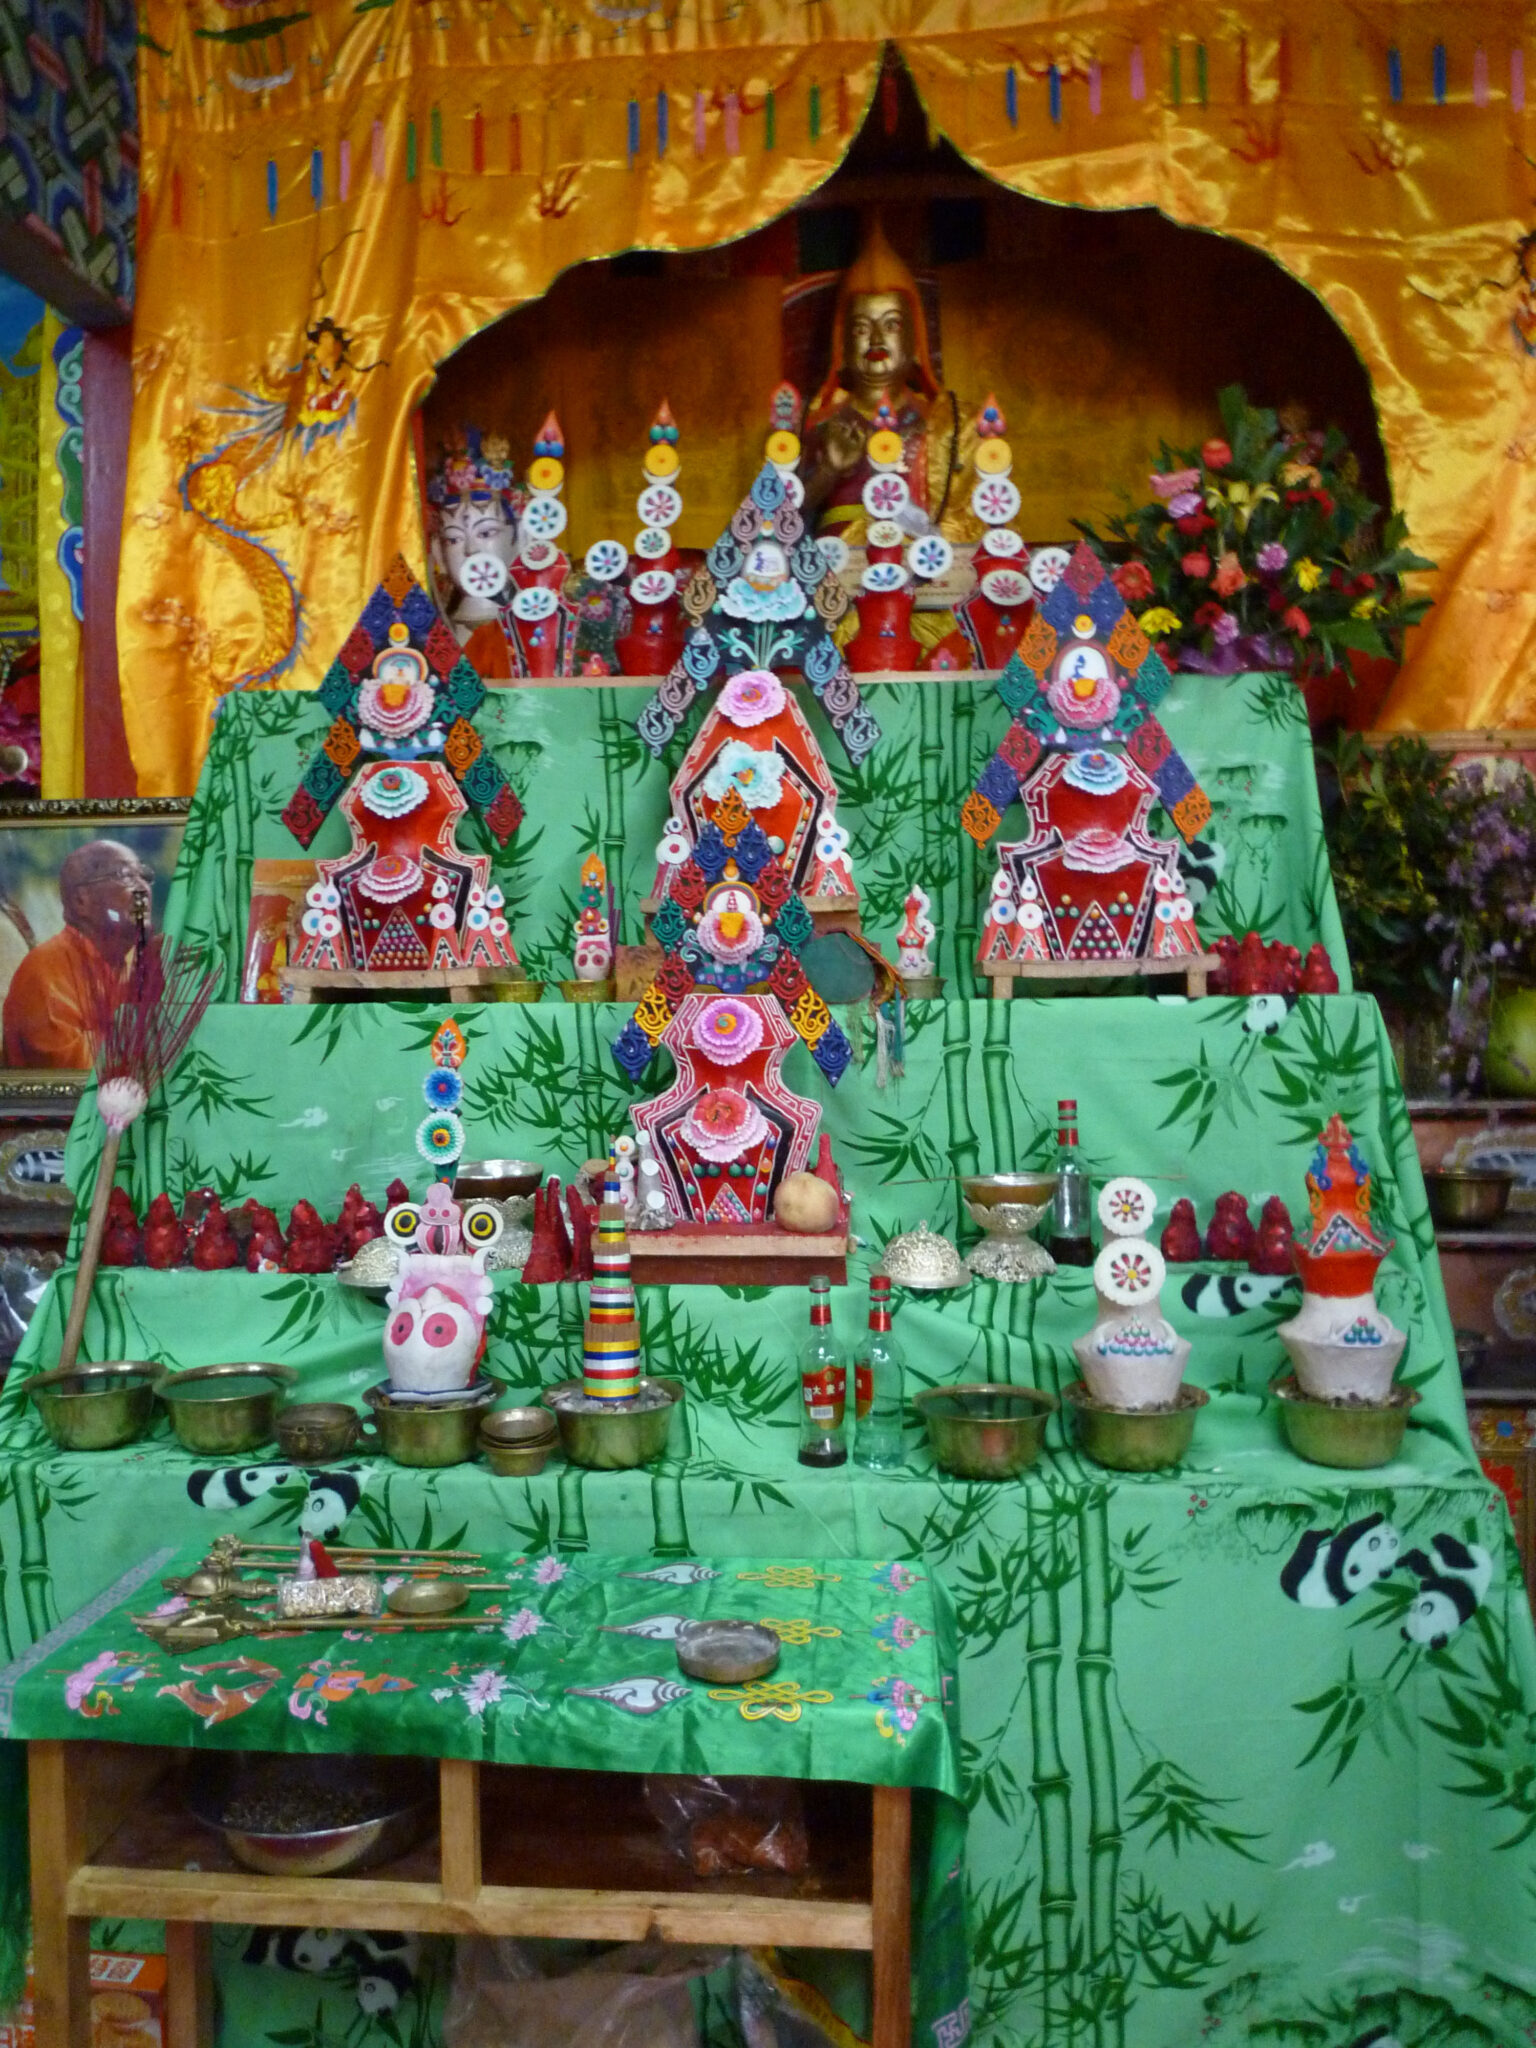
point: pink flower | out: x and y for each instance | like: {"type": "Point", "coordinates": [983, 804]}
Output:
{"type": "Point", "coordinates": [549, 1571]}
{"type": "Point", "coordinates": [1225, 630]}
{"type": "Point", "coordinates": [1196, 563]}
{"type": "Point", "coordinates": [723, 1125]}
{"type": "Point", "coordinates": [1229, 578]}
{"type": "Point", "coordinates": [1184, 504]}
{"type": "Point", "coordinates": [752, 696]}
{"type": "Point", "coordinates": [1176, 481]}
{"type": "Point", "coordinates": [1272, 558]}
{"type": "Point", "coordinates": [728, 1029]}
{"type": "Point", "coordinates": [522, 1624]}
{"type": "Point", "coordinates": [1216, 455]}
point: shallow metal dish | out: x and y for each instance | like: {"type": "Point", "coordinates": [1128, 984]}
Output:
{"type": "Point", "coordinates": [1355, 1434]}
{"type": "Point", "coordinates": [220, 1408]}
{"type": "Point", "coordinates": [403, 1790]}
{"type": "Point", "coordinates": [1468, 1197]}
{"type": "Point", "coordinates": [492, 1180]}
{"type": "Point", "coordinates": [1134, 1439]}
{"type": "Point", "coordinates": [727, 1652]}
{"type": "Point", "coordinates": [986, 1431]}
{"type": "Point", "coordinates": [314, 1432]}
{"type": "Point", "coordinates": [517, 1426]}
{"type": "Point", "coordinates": [618, 1438]}
{"type": "Point", "coordinates": [986, 1190]}
{"type": "Point", "coordinates": [428, 1596]}
{"type": "Point", "coordinates": [96, 1407]}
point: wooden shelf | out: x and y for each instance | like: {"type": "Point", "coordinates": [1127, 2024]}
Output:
{"type": "Point", "coordinates": [1486, 1240]}
{"type": "Point", "coordinates": [1443, 1108]}
{"type": "Point", "coordinates": [531, 1852]}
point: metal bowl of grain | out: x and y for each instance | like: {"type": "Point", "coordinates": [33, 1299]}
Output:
{"type": "Point", "coordinates": [313, 1816]}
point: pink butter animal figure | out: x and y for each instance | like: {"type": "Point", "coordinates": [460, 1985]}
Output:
{"type": "Point", "coordinates": [441, 1298]}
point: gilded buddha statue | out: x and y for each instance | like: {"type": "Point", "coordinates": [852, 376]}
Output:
{"type": "Point", "coordinates": [882, 377]}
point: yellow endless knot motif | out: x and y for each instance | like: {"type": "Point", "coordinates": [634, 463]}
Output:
{"type": "Point", "coordinates": [779, 1697]}
{"type": "Point", "coordinates": [653, 1013]}
{"type": "Point", "coordinates": [793, 1575]}
{"type": "Point", "coordinates": [799, 1631]}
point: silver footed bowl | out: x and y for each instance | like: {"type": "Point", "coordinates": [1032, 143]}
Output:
{"type": "Point", "coordinates": [1008, 1219]}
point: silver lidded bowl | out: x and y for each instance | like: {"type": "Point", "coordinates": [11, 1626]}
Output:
{"type": "Point", "coordinates": [924, 1261]}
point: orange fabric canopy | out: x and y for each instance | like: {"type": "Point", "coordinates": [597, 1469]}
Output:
{"type": "Point", "coordinates": [336, 197]}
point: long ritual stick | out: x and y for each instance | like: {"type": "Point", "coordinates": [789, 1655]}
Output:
{"type": "Point", "coordinates": [90, 1249]}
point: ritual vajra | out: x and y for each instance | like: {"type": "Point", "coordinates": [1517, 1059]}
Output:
{"type": "Point", "coordinates": [747, 1343]}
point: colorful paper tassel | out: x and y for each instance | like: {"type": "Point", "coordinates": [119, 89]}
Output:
{"type": "Point", "coordinates": [731, 123]}
{"type": "Point", "coordinates": [1479, 77]}
{"type": "Point", "coordinates": [1517, 80]}
{"type": "Point", "coordinates": [1395, 75]}
{"type": "Point", "coordinates": [813, 114]}
{"type": "Point", "coordinates": [1054, 84]}
{"type": "Point", "coordinates": [700, 123]}
{"type": "Point", "coordinates": [770, 120]}
{"type": "Point", "coordinates": [1095, 87]}
{"type": "Point", "coordinates": [376, 149]}
{"type": "Point", "coordinates": [1175, 76]}
{"type": "Point", "coordinates": [1138, 73]}
{"type": "Point", "coordinates": [1439, 74]}
{"type": "Point", "coordinates": [316, 177]}
{"type": "Point", "coordinates": [271, 189]}
{"type": "Point", "coordinates": [663, 122]}
{"type": "Point", "coordinates": [633, 130]}
{"type": "Point", "coordinates": [343, 168]}
{"type": "Point", "coordinates": [1011, 96]}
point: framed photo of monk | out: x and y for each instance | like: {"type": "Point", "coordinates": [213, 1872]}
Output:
{"type": "Point", "coordinates": [74, 877]}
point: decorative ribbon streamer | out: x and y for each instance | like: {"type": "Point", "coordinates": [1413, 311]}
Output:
{"type": "Point", "coordinates": [663, 125]}
{"type": "Point", "coordinates": [272, 188]}
{"type": "Point", "coordinates": [1517, 80]}
{"type": "Point", "coordinates": [477, 142]}
{"type": "Point", "coordinates": [514, 142]}
{"type": "Point", "coordinates": [634, 131]}
{"type": "Point", "coordinates": [410, 152]}
{"type": "Point", "coordinates": [1138, 73]}
{"type": "Point", "coordinates": [1440, 74]}
{"type": "Point", "coordinates": [813, 114]}
{"type": "Point", "coordinates": [1175, 75]}
{"type": "Point", "coordinates": [1011, 96]}
{"type": "Point", "coordinates": [1055, 85]}
{"type": "Point", "coordinates": [731, 122]}
{"type": "Point", "coordinates": [700, 124]}
{"type": "Point", "coordinates": [435, 134]}
{"type": "Point", "coordinates": [1202, 80]}
{"type": "Point", "coordinates": [316, 176]}
{"type": "Point", "coordinates": [1395, 74]}
{"type": "Point", "coordinates": [1479, 77]}
{"type": "Point", "coordinates": [377, 149]}
{"type": "Point", "coordinates": [343, 168]}
{"type": "Point", "coordinates": [770, 120]}
{"type": "Point", "coordinates": [1095, 86]}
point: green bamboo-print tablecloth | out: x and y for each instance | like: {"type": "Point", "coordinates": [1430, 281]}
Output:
{"type": "Point", "coordinates": [575, 1670]}
{"type": "Point", "coordinates": [588, 783]}
{"type": "Point", "coordinates": [1199, 1809]}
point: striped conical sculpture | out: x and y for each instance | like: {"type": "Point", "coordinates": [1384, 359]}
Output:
{"type": "Point", "coordinates": [610, 1341]}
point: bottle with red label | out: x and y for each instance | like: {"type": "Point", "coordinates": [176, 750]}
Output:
{"type": "Point", "coordinates": [823, 1386]}
{"type": "Point", "coordinates": [1071, 1241]}
{"type": "Point", "coordinates": [877, 1387]}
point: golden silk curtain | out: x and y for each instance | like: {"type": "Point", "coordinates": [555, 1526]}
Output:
{"type": "Point", "coordinates": [335, 197]}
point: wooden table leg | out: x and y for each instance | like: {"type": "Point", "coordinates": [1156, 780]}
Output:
{"type": "Point", "coordinates": [891, 1904]}
{"type": "Point", "coordinates": [61, 1947]}
{"type": "Point", "coordinates": [1195, 980]}
{"type": "Point", "coordinates": [189, 2013]}
{"type": "Point", "coordinates": [459, 1815]}
{"type": "Point", "coordinates": [1002, 987]}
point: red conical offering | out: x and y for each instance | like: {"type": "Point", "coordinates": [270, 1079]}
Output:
{"type": "Point", "coordinates": [610, 1342]}
{"type": "Point", "coordinates": [1340, 1257]}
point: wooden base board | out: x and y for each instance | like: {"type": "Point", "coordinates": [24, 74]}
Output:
{"type": "Point", "coordinates": [1195, 969]}
{"type": "Point", "coordinates": [735, 1255]}
{"type": "Point", "coordinates": [461, 984]}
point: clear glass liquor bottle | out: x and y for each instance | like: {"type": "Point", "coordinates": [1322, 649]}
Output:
{"type": "Point", "coordinates": [1071, 1231]}
{"type": "Point", "coordinates": [823, 1386]}
{"type": "Point", "coordinates": [877, 1387]}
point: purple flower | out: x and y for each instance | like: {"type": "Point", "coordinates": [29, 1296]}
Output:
{"type": "Point", "coordinates": [1498, 950]}
{"type": "Point", "coordinates": [1272, 557]}
{"type": "Point", "coordinates": [1225, 630]}
{"type": "Point", "coordinates": [1184, 504]}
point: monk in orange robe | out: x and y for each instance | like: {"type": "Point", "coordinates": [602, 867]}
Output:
{"type": "Point", "coordinates": [104, 889]}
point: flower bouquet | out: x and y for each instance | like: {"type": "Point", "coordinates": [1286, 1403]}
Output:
{"type": "Point", "coordinates": [1259, 550]}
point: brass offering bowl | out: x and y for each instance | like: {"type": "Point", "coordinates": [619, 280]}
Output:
{"type": "Point", "coordinates": [1354, 1434]}
{"type": "Point", "coordinates": [314, 1432]}
{"type": "Point", "coordinates": [493, 1180]}
{"type": "Point", "coordinates": [96, 1407]}
{"type": "Point", "coordinates": [1468, 1197]}
{"type": "Point", "coordinates": [258, 1802]}
{"type": "Point", "coordinates": [992, 1190]}
{"type": "Point", "coordinates": [428, 1596]}
{"type": "Point", "coordinates": [727, 1652]}
{"type": "Point", "coordinates": [617, 1438]}
{"type": "Point", "coordinates": [986, 1431]}
{"type": "Point", "coordinates": [429, 1433]}
{"type": "Point", "coordinates": [225, 1408]}
{"type": "Point", "coordinates": [1134, 1439]}
{"type": "Point", "coordinates": [516, 1442]}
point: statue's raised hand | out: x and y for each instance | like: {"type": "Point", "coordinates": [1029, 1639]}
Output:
{"type": "Point", "coordinates": [842, 444]}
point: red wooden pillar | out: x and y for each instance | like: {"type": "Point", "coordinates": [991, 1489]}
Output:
{"type": "Point", "coordinates": [106, 405]}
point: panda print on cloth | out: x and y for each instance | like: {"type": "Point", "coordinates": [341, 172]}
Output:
{"type": "Point", "coordinates": [330, 1497]}
{"type": "Point", "coordinates": [381, 1968]}
{"type": "Point", "coordinates": [1328, 1570]}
